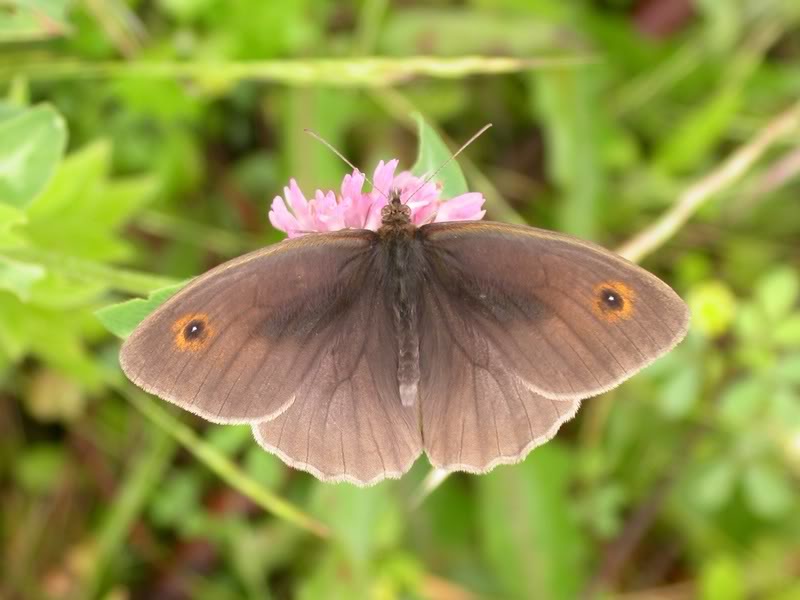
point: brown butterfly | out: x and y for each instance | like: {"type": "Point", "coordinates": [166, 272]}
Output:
{"type": "Point", "coordinates": [352, 352]}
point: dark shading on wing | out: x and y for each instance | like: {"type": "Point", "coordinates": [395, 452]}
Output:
{"type": "Point", "coordinates": [476, 413]}
{"type": "Point", "coordinates": [237, 342]}
{"type": "Point", "coordinates": [543, 299]}
{"type": "Point", "coordinates": [347, 422]}
{"type": "Point", "coordinates": [519, 325]}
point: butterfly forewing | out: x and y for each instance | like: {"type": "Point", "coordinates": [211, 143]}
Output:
{"type": "Point", "coordinates": [568, 317]}
{"type": "Point", "coordinates": [234, 345]}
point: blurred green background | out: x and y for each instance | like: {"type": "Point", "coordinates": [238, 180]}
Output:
{"type": "Point", "coordinates": [142, 141]}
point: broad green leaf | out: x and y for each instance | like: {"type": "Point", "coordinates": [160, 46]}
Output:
{"type": "Point", "coordinates": [122, 318]}
{"type": "Point", "coordinates": [432, 154]}
{"type": "Point", "coordinates": [31, 144]}
{"type": "Point", "coordinates": [56, 337]}
{"type": "Point", "coordinates": [82, 208]}
{"type": "Point", "coordinates": [79, 176]}
{"type": "Point", "coordinates": [18, 277]}
{"type": "Point", "coordinates": [529, 535]}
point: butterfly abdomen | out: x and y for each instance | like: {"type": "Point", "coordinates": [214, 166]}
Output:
{"type": "Point", "coordinates": [404, 263]}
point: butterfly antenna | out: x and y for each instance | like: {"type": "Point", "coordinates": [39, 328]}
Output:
{"type": "Point", "coordinates": [447, 162]}
{"type": "Point", "coordinates": [330, 147]}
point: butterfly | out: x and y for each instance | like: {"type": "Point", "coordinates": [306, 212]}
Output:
{"type": "Point", "coordinates": [350, 353]}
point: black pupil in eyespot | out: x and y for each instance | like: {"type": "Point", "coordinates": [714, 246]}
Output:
{"type": "Point", "coordinates": [193, 330]}
{"type": "Point", "coordinates": [611, 298]}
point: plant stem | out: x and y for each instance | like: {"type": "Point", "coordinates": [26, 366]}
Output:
{"type": "Point", "coordinates": [221, 465]}
{"type": "Point", "coordinates": [689, 202]}
{"type": "Point", "coordinates": [351, 72]}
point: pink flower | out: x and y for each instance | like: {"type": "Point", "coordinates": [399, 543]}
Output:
{"type": "Point", "coordinates": [353, 208]}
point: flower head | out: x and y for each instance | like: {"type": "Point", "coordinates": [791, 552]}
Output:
{"type": "Point", "coordinates": [352, 208]}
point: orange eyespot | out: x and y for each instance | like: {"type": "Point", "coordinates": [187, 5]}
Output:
{"type": "Point", "coordinates": [613, 300]}
{"type": "Point", "coordinates": [192, 332]}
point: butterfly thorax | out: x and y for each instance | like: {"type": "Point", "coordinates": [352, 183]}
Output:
{"type": "Point", "coordinates": [396, 218]}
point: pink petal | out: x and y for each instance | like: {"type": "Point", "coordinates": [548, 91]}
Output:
{"type": "Point", "coordinates": [352, 184]}
{"type": "Point", "coordinates": [353, 208]}
{"type": "Point", "coordinates": [281, 218]}
{"type": "Point", "coordinates": [383, 179]}
{"type": "Point", "coordinates": [298, 205]}
{"type": "Point", "coordinates": [466, 207]}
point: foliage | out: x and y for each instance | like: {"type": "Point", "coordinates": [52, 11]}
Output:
{"type": "Point", "coordinates": [141, 143]}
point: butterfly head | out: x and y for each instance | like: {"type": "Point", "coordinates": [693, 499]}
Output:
{"type": "Point", "coordinates": [395, 216]}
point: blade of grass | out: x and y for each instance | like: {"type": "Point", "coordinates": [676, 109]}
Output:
{"type": "Point", "coordinates": [367, 72]}
{"type": "Point", "coordinates": [219, 464]}
{"type": "Point", "coordinates": [129, 501]}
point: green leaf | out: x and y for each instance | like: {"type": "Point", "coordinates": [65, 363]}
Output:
{"type": "Point", "coordinates": [767, 489]}
{"type": "Point", "coordinates": [81, 209]}
{"type": "Point", "coordinates": [777, 292]}
{"type": "Point", "coordinates": [432, 154]}
{"type": "Point", "coordinates": [530, 536]}
{"type": "Point", "coordinates": [54, 336]}
{"type": "Point", "coordinates": [122, 318]}
{"type": "Point", "coordinates": [31, 144]}
{"type": "Point", "coordinates": [18, 277]}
